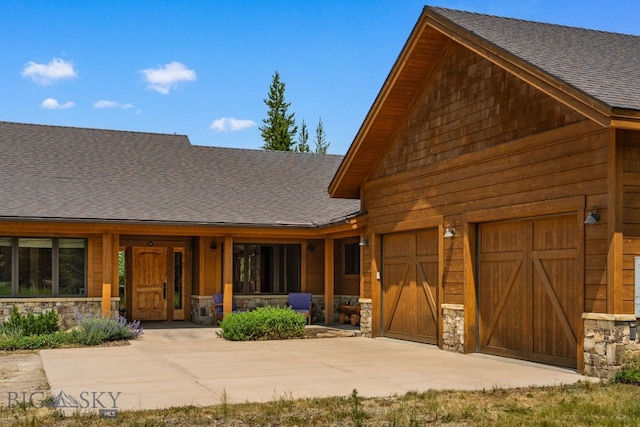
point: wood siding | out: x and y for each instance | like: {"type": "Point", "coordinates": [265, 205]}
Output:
{"type": "Point", "coordinates": [467, 105]}
{"type": "Point", "coordinates": [345, 284]}
{"type": "Point", "coordinates": [315, 268]}
{"type": "Point", "coordinates": [630, 142]}
{"type": "Point", "coordinates": [479, 139]}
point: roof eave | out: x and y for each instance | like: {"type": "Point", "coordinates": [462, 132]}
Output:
{"type": "Point", "coordinates": [625, 119]}
{"type": "Point", "coordinates": [336, 186]}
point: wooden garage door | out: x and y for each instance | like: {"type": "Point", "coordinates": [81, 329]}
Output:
{"type": "Point", "coordinates": [410, 286]}
{"type": "Point", "coordinates": [530, 289]}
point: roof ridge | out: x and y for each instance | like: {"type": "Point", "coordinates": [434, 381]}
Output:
{"type": "Point", "coordinates": [529, 21]}
{"type": "Point", "coordinates": [93, 129]}
{"type": "Point", "coordinates": [262, 150]}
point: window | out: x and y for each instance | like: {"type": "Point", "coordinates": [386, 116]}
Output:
{"type": "Point", "coordinates": [351, 258]}
{"type": "Point", "coordinates": [5, 267]}
{"type": "Point", "coordinates": [266, 269]}
{"type": "Point", "coordinates": [40, 266]}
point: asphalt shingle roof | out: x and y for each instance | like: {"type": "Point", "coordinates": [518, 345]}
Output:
{"type": "Point", "coordinates": [55, 172]}
{"type": "Point", "coordinates": [601, 64]}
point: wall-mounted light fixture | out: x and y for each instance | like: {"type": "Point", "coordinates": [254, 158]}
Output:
{"type": "Point", "coordinates": [150, 243]}
{"type": "Point", "coordinates": [592, 218]}
{"type": "Point", "coordinates": [213, 246]}
{"type": "Point", "coordinates": [449, 232]}
{"type": "Point", "coordinates": [309, 247]}
{"type": "Point", "coordinates": [364, 241]}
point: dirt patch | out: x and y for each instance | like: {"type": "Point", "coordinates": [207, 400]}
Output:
{"type": "Point", "coordinates": [21, 376]}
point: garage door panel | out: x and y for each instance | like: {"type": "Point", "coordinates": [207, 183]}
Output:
{"type": "Point", "coordinates": [426, 301]}
{"type": "Point", "coordinates": [502, 238]}
{"type": "Point", "coordinates": [396, 294]}
{"type": "Point", "coordinates": [501, 319]}
{"type": "Point", "coordinates": [554, 233]}
{"type": "Point", "coordinates": [410, 285]}
{"type": "Point", "coordinates": [535, 314]}
{"type": "Point", "coordinates": [427, 243]}
{"type": "Point", "coordinates": [555, 309]}
{"type": "Point", "coordinates": [398, 246]}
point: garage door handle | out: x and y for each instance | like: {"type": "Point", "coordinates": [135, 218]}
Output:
{"type": "Point", "coordinates": [164, 291]}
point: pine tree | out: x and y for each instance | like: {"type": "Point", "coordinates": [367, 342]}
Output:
{"type": "Point", "coordinates": [279, 127]}
{"type": "Point", "coordinates": [303, 139]}
{"type": "Point", "coordinates": [321, 139]}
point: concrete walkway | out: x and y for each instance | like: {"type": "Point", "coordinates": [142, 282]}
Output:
{"type": "Point", "coordinates": [192, 366]}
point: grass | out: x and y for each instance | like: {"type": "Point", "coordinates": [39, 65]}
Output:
{"type": "Point", "coordinates": [581, 404]}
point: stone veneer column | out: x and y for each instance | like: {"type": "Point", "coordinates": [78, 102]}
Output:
{"type": "Point", "coordinates": [202, 309]}
{"type": "Point", "coordinates": [365, 317]}
{"type": "Point", "coordinates": [608, 340]}
{"type": "Point", "coordinates": [453, 327]}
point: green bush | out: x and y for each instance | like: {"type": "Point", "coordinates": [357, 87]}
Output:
{"type": "Point", "coordinates": [630, 372]}
{"type": "Point", "coordinates": [30, 324]}
{"type": "Point", "coordinates": [266, 323]}
{"type": "Point", "coordinates": [33, 342]}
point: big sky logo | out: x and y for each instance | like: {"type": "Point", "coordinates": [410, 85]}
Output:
{"type": "Point", "coordinates": [106, 402]}
{"type": "Point", "coordinates": [86, 400]}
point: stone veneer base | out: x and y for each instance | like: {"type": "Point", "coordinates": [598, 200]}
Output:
{"type": "Point", "coordinates": [453, 327]}
{"type": "Point", "coordinates": [65, 307]}
{"type": "Point", "coordinates": [609, 341]}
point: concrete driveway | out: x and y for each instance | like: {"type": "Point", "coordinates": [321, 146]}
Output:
{"type": "Point", "coordinates": [191, 366]}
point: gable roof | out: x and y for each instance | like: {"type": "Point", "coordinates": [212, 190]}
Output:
{"type": "Point", "coordinates": [64, 173]}
{"type": "Point", "coordinates": [593, 72]}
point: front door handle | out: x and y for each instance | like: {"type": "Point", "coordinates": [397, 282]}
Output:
{"type": "Point", "coordinates": [164, 291]}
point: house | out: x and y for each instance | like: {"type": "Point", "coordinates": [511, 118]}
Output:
{"type": "Point", "coordinates": [151, 226]}
{"type": "Point", "coordinates": [498, 171]}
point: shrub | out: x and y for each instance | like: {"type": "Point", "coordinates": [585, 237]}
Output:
{"type": "Point", "coordinates": [630, 372]}
{"type": "Point", "coordinates": [95, 329]}
{"type": "Point", "coordinates": [266, 323]}
{"type": "Point", "coordinates": [35, 332]}
{"type": "Point", "coordinates": [33, 342]}
{"type": "Point", "coordinates": [30, 324]}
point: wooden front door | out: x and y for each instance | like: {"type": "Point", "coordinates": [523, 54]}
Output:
{"type": "Point", "coordinates": [149, 283]}
{"type": "Point", "coordinates": [410, 286]}
{"type": "Point", "coordinates": [530, 294]}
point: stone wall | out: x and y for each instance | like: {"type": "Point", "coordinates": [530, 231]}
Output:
{"type": "Point", "coordinates": [65, 307]}
{"type": "Point", "coordinates": [453, 327]}
{"type": "Point", "coordinates": [609, 339]}
{"type": "Point", "coordinates": [365, 317]}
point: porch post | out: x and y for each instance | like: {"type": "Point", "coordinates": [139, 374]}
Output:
{"type": "Point", "coordinates": [108, 273]}
{"type": "Point", "coordinates": [615, 223]}
{"type": "Point", "coordinates": [227, 269]}
{"type": "Point", "coordinates": [328, 280]}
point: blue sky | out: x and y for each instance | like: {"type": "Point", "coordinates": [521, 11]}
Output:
{"type": "Point", "coordinates": [203, 68]}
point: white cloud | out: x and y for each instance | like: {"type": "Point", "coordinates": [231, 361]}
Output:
{"type": "Point", "coordinates": [229, 124]}
{"type": "Point", "coordinates": [166, 77]}
{"type": "Point", "coordinates": [52, 104]}
{"type": "Point", "coordinates": [45, 74]}
{"type": "Point", "coordinates": [112, 104]}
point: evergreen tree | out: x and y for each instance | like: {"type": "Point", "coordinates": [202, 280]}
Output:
{"type": "Point", "coordinates": [279, 127]}
{"type": "Point", "coordinates": [303, 139]}
{"type": "Point", "coordinates": [321, 139]}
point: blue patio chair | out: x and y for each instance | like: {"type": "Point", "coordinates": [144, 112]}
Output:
{"type": "Point", "coordinates": [218, 307]}
{"type": "Point", "coordinates": [301, 303]}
